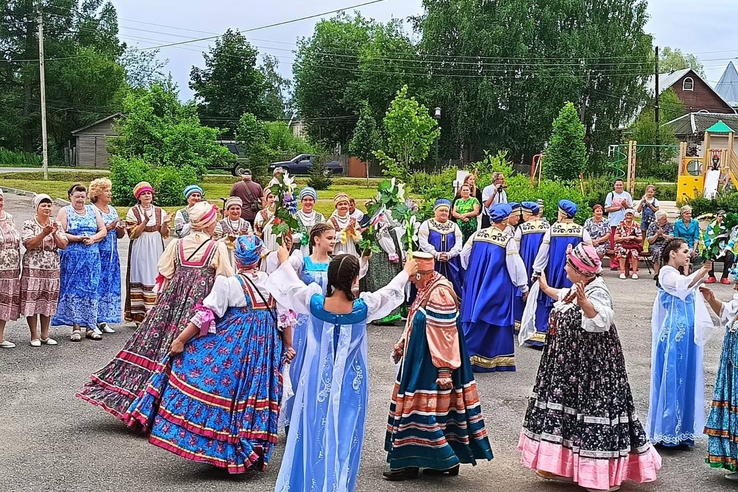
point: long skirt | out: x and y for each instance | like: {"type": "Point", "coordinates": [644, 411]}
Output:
{"type": "Point", "coordinates": [108, 308]}
{"type": "Point", "coordinates": [722, 424]}
{"type": "Point", "coordinates": [581, 421]}
{"type": "Point", "coordinates": [78, 293]}
{"type": "Point", "coordinates": [143, 256]}
{"type": "Point", "coordinates": [381, 271]}
{"type": "Point", "coordinates": [429, 427]}
{"type": "Point", "coordinates": [218, 402]}
{"type": "Point", "coordinates": [39, 291]}
{"type": "Point", "coordinates": [115, 386]}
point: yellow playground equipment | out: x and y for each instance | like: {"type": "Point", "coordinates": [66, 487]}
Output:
{"type": "Point", "coordinates": [709, 174]}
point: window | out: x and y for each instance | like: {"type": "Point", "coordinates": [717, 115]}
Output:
{"type": "Point", "coordinates": [688, 84]}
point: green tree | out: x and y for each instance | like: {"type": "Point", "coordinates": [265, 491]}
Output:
{"type": "Point", "coordinates": [144, 68]}
{"type": "Point", "coordinates": [230, 84]}
{"type": "Point", "coordinates": [411, 132]}
{"type": "Point", "coordinates": [566, 155]}
{"type": "Point", "coordinates": [273, 98]}
{"type": "Point", "coordinates": [672, 59]}
{"type": "Point", "coordinates": [366, 139]}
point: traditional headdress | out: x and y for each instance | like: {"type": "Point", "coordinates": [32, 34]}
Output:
{"type": "Point", "coordinates": [193, 189]}
{"type": "Point", "coordinates": [440, 203]}
{"type": "Point", "coordinates": [539, 202]}
{"type": "Point", "coordinates": [142, 187]}
{"type": "Point", "coordinates": [515, 207]}
{"type": "Point", "coordinates": [202, 214]}
{"type": "Point", "coordinates": [531, 207]}
{"type": "Point", "coordinates": [584, 259]}
{"type": "Point", "coordinates": [425, 261]}
{"type": "Point", "coordinates": [233, 200]}
{"type": "Point", "coordinates": [568, 207]}
{"type": "Point", "coordinates": [499, 212]}
{"type": "Point", "coordinates": [308, 191]}
{"type": "Point", "coordinates": [341, 197]}
{"type": "Point", "coordinates": [247, 249]}
{"type": "Point", "coordinates": [37, 199]}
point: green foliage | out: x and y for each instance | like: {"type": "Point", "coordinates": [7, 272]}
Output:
{"type": "Point", "coordinates": [17, 158]}
{"type": "Point", "coordinates": [728, 202]}
{"type": "Point", "coordinates": [273, 100]}
{"type": "Point", "coordinates": [168, 181]}
{"type": "Point", "coordinates": [366, 138]}
{"type": "Point", "coordinates": [432, 187]}
{"type": "Point", "coordinates": [164, 132]}
{"type": "Point", "coordinates": [411, 131]}
{"type": "Point", "coordinates": [125, 175]}
{"type": "Point", "coordinates": [566, 155]}
{"type": "Point", "coordinates": [671, 60]}
{"type": "Point", "coordinates": [320, 176]}
{"type": "Point", "coordinates": [144, 68]}
{"type": "Point", "coordinates": [285, 203]}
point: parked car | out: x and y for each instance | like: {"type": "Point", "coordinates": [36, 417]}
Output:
{"type": "Point", "coordinates": [303, 164]}
{"type": "Point", "coordinates": [241, 163]}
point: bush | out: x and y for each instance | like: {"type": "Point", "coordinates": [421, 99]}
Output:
{"type": "Point", "coordinates": [320, 176]}
{"type": "Point", "coordinates": [125, 174]}
{"type": "Point", "coordinates": [566, 154]}
{"type": "Point", "coordinates": [168, 181]}
{"type": "Point", "coordinates": [700, 206]}
{"type": "Point", "coordinates": [13, 158]}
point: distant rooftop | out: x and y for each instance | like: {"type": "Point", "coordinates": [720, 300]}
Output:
{"type": "Point", "coordinates": [694, 123]}
{"type": "Point", "coordinates": [727, 86]}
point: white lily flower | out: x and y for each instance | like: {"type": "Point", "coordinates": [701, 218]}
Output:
{"type": "Point", "coordinates": [392, 188]}
{"type": "Point", "coordinates": [401, 191]}
{"type": "Point", "coordinates": [288, 181]}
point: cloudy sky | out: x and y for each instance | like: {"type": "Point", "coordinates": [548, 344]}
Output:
{"type": "Point", "coordinates": [703, 28]}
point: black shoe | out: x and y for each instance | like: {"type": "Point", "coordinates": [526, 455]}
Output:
{"type": "Point", "coordinates": [401, 474]}
{"type": "Point", "coordinates": [451, 472]}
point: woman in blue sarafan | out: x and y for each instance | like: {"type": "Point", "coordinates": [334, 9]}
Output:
{"type": "Point", "coordinates": [529, 236]}
{"type": "Point", "coordinates": [680, 325]}
{"type": "Point", "coordinates": [551, 259]}
{"type": "Point", "coordinates": [442, 238]}
{"type": "Point", "coordinates": [323, 450]}
{"type": "Point", "coordinates": [494, 272]}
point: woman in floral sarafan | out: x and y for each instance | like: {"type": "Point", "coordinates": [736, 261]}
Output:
{"type": "Point", "coordinates": [581, 423]}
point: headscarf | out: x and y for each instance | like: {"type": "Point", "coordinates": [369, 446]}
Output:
{"type": "Point", "coordinates": [515, 207]}
{"type": "Point", "coordinates": [38, 199]}
{"type": "Point", "coordinates": [531, 207]}
{"type": "Point", "coordinates": [584, 259]}
{"type": "Point", "coordinates": [247, 249]}
{"type": "Point", "coordinates": [569, 208]}
{"type": "Point", "coordinates": [202, 214]}
{"type": "Point", "coordinates": [440, 203]}
{"type": "Point", "coordinates": [499, 212]}
{"type": "Point", "coordinates": [142, 187]}
{"type": "Point", "coordinates": [341, 197]}
{"type": "Point", "coordinates": [308, 191]}
{"type": "Point", "coordinates": [233, 200]}
{"type": "Point", "coordinates": [424, 261]}
{"type": "Point", "coordinates": [193, 189]}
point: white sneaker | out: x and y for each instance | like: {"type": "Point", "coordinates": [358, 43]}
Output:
{"type": "Point", "coordinates": [105, 328]}
{"type": "Point", "coordinates": [49, 341]}
{"type": "Point", "coordinates": [7, 344]}
{"type": "Point", "coordinates": [634, 276]}
{"type": "Point", "coordinates": [36, 343]}
{"type": "Point", "coordinates": [622, 275]}
{"type": "Point", "coordinates": [732, 476]}
{"type": "Point", "coordinates": [97, 331]}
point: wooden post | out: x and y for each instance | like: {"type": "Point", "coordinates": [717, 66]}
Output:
{"type": "Point", "coordinates": [682, 158]}
{"type": "Point", "coordinates": [632, 149]}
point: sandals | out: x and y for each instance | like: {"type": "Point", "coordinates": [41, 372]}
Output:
{"type": "Point", "coordinates": [93, 335]}
{"type": "Point", "coordinates": [76, 336]}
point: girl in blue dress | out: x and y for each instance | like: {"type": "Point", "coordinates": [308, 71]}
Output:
{"type": "Point", "coordinates": [323, 450]}
{"type": "Point", "coordinates": [108, 308]}
{"type": "Point", "coordinates": [216, 398]}
{"type": "Point", "coordinates": [676, 413]}
{"type": "Point", "coordinates": [79, 293]}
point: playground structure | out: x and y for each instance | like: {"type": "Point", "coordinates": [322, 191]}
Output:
{"type": "Point", "coordinates": [714, 171]}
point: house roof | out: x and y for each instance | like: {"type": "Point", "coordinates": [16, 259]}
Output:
{"type": "Point", "coordinates": [666, 80]}
{"type": "Point", "coordinates": [112, 116]}
{"type": "Point", "coordinates": [719, 127]}
{"type": "Point", "coordinates": [727, 86]}
{"type": "Point", "coordinates": [693, 123]}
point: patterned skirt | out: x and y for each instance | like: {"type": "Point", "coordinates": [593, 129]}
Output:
{"type": "Point", "coordinates": [78, 291]}
{"type": "Point", "coordinates": [39, 292]}
{"type": "Point", "coordinates": [380, 273]}
{"type": "Point", "coordinates": [722, 424]}
{"type": "Point", "coordinates": [10, 292]}
{"type": "Point", "coordinates": [581, 422]}
{"type": "Point", "coordinates": [429, 427]}
{"type": "Point", "coordinates": [218, 402]}
{"type": "Point", "coordinates": [115, 386]}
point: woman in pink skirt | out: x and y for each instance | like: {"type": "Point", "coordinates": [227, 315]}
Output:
{"type": "Point", "coordinates": [9, 272]}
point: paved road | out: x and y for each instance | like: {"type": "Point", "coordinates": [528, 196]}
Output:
{"type": "Point", "coordinates": [52, 441]}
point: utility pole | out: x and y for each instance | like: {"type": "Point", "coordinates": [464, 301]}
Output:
{"type": "Point", "coordinates": [42, 72]}
{"type": "Point", "coordinates": [656, 108]}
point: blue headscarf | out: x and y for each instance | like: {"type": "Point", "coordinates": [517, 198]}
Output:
{"type": "Point", "coordinates": [499, 212]}
{"type": "Point", "coordinates": [192, 189]}
{"type": "Point", "coordinates": [247, 249]}
{"type": "Point", "coordinates": [568, 207]}
{"type": "Point", "coordinates": [531, 207]}
{"type": "Point", "coordinates": [514, 206]}
{"type": "Point", "coordinates": [308, 191]}
{"type": "Point", "coordinates": [441, 202]}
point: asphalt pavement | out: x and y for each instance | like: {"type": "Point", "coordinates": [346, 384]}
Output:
{"type": "Point", "coordinates": [51, 440]}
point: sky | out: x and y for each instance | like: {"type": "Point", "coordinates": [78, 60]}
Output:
{"type": "Point", "coordinates": [703, 28]}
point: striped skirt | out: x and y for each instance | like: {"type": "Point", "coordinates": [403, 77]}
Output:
{"type": "Point", "coordinates": [722, 425]}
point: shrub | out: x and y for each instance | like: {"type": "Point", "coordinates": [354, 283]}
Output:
{"type": "Point", "coordinates": [17, 158]}
{"type": "Point", "coordinates": [125, 174]}
{"type": "Point", "coordinates": [320, 176]}
{"type": "Point", "coordinates": [566, 154]}
{"type": "Point", "coordinates": [700, 206]}
{"type": "Point", "coordinates": [168, 181]}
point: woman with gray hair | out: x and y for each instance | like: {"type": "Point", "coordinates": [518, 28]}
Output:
{"type": "Point", "coordinates": [660, 231]}
{"type": "Point", "coordinates": [688, 229]}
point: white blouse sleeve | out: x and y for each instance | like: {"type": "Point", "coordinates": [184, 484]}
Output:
{"type": "Point", "coordinates": [425, 245]}
{"type": "Point", "coordinates": [542, 257]}
{"type": "Point", "coordinates": [729, 312]}
{"type": "Point", "coordinates": [226, 292]}
{"type": "Point", "coordinates": [586, 238]}
{"type": "Point", "coordinates": [459, 244]}
{"type": "Point", "coordinates": [466, 251]}
{"type": "Point", "coordinates": [675, 283]}
{"type": "Point", "coordinates": [296, 259]}
{"type": "Point", "coordinates": [289, 291]}
{"type": "Point", "coordinates": [605, 317]}
{"type": "Point", "coordinates": [515, 266]}
{"type": "Point", "coordinates": [382, 302]}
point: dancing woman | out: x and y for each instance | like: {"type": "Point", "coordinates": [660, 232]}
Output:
{"type": "Point", "coordinates": [216, 399]}
{"type": "Point", "coordinates": [580, 425]}
{"type": "Point", "coordinates": [323, 450]}
{"type": "Point", "coordinates": [679, 325]}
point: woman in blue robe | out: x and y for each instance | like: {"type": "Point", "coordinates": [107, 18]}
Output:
{"type": "Point", "coordinates": [443, 239]}
{"type": "Point", "coordinates": [551, 259]}
{"type": "Point", "coordinates": [323, 450]}
{"type": "Point", "coordinates": [529, 236]}
{"type": "Point", "coordinates": [494, 272]}
{"type": "Point", "coordinates": [679, 322]}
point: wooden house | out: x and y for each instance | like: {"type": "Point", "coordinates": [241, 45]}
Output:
{"type": "Point", "coordinates": [91, 142]}
{"type": "Point", "coordinates": [694, 92]}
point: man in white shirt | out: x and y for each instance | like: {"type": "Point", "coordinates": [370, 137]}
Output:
{"type": "Point", "coordinates": [494, 194]}
{"type": "Point", "coordinates": [616, 203]}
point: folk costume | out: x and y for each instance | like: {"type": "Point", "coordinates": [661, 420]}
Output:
{"type": "Point", "coordinates": [323, 450]}
{"type": "Point", "coordinates": [529, 236]}
{"type": "Point", "coordinates": [347, 230]}
{"type": "Point", "coordinates": [429, 426]}
{"type": "Point", "coordinates": [228, 230]}
{"type": "Point", "coordinates": [218, 401]}
{"type": "Point", "coordinates": [386, 264]}
{"type": "Point", "coordinates": [182, 216]}
{"type": "Point", "coordinates": [437, 237]}
{"type": "Point", "coordinates": [306, 222]}
{"type": "Point", "coordinates": [494, 272]}
{"type": "Point", "coordinates": [581, 421]}
{"type": "Point", "coordinates": [557, 240]}
{"type": "Point", "coordinates": [187, 271]}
